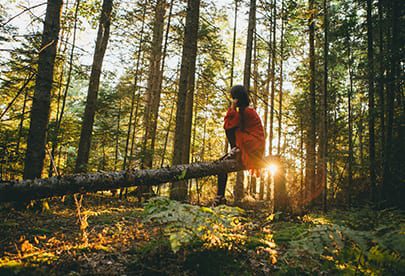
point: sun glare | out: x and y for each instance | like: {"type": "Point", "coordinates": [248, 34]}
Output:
{"type": "Point", "coordinates": [272, 169]}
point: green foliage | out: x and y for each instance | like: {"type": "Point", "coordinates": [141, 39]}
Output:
{"type": "Point", "coordinates": [186, 224]}
{"type": "Point", "coordinates": [359, 240]}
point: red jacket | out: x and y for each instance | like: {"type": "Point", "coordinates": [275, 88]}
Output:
{"type": "Point", "coordinates": [250, 141]}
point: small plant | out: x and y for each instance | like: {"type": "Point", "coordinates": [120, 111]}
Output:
{"type": "Point", "coordinates": [220, 227]}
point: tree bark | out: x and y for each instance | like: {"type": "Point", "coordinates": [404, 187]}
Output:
{"type": "Point", "coordinates": [91, 103]}
{"type": "Point", "coordinates": [370, 58]}
{"type": "Point", "coordinates": [273, 78]}
{"type": "Point", "coordinates": [310, 182]}
{"type": "Point", "coordinates": [324, 110]}
{"type": "Point", "coordinates": [239, 189]}
{"type": "Point", "coordinates": [134, 96]}
{"type": "Point", "coordinates": [152, 96]}
{"type": "Point", "coordinates": [117, 135]}
{"type": "Point", "coordinates": [65, 93]}
{"type": "Point", "coordinates": [263, 179]}
{"type": "Point", "coordinates": [381, 68]}
{"type": "Point", "coordinates": [92, 182]}
{"type": "Point", "coordinates": [249, 45]}
{"type": "Point", "coordinates": [40, 110]}
{"type": "Point", "coordinates": [280, 98]}
{"type": "Point", "coordinates": [234, 43]}
{"type": "Point", "coordinates": [393, 169]}
{"type": "Point", "coordinates": [350, 123]}
{"type": "Point", "coordinates": [179, 189]}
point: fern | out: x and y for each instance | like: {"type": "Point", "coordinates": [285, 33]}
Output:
{"type": "Point", "coordinates": [185, 224]}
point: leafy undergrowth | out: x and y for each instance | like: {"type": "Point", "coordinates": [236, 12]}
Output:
{"type": "Point", "coordinates": [170, 238]}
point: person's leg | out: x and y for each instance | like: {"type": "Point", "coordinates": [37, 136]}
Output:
{"type": "Point", "coordinates": [222, 178]}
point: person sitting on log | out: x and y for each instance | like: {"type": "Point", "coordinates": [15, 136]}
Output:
{"type": "Point", "coordinates": [245, 134]}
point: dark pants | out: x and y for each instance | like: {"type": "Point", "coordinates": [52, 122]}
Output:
{"type": "Point", "coordinates": [223, 177]}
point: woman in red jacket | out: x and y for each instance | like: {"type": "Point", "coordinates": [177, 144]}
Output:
{"type": "Point", "coordinates": [244, 131]}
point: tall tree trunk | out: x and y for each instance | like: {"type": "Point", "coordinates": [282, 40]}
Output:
{"type": "Point", "coordinates": [188, 63]}
{"type": "Point", "coordinates": [91, 103]}
{"type": "Point", "coordinates": [253, 179]}
{"type": "Point", "coordinates": [234, 42]}
{"type": "Point", "coordinates": [350, 122]}
{"type": "Point", "coordinates": [255, 72]}
{"type": "Point", "coordinates": [302, 204]}
{"type": "Point", "coordinates": [40, 110]}
{"type": "Point", "coordinates": [152, 96]}
{"type": "Point", "coordinates": [310, 182]}
{"type": "Point", "coordinates": [134, 89]}
{"type": "Point", "coordinates": [381, 76]}
{"type": "Point", "coordinates": [61, 50]}
{"type": "Point", "coordinates": [390, 178]}
{"type": "Point", "coordinates": [239, 189]}
{"type": "Point", "coordinates": [21, 124]}
{"type": "Point", "coordinates": [280, 98]}
{"type": "Point", "coordinates": [370, 58]}
{"type": "Point", "coordinates": [169, 127]}
{"type": "Point", "coordinates": [263, 179]}
{"type": "Point", "coordinates": [249, 44]}
{"type": "Point", "coordinates": [273, 78]}
{"type": "Point", "coordinates": [65, 93]}
{"type": "Point", "coordinates": [117, 135]}
{"type": "Point", "coordinates": [138, 103]}
{"type": "Point", "coordinates": [324, 110]}
{"type": "Point", "coordinates": [232, 59]}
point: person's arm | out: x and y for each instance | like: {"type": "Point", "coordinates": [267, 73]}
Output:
{"type": "Point", "coordinates": [232, 116]}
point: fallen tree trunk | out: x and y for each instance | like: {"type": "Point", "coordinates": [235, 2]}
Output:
{"type": "Point", "coordinates": [100, 181]}
{"type": "Point", "coordinates": [92, 182]}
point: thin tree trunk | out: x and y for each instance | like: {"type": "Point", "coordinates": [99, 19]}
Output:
{"type": "Point", "coordinates": [389, 179]}
{"type": "Point", "coordinates": [40, 110]}
{"type": "Point", "coordinates": [249, 45]}
{"type": "Point", "coordinates": [169, 126]}
{"type": "Point", "coordinates": [234, 42]}
{"type": "Point", "coordinates": [311, 152]}
{"type": "Point", "coordinates": [253, 179]}
{"type": "Point", "coordinates": [62, 57]}
{"type": "Point", "coordinates": [324, 115]}
{"type": "Point", "coordinates": [134, 89]}
{"type": "Point", "coordinates": [273, 78]}
{"type": "Point", "coordinates": [263, 179]}
{"type": "Point", "coordinates": [91, 103]}
{"type": "Point", "coordinates": [349, 103]}
{"type": "Point", "coordinates": [133, 138]}
{"type": "Point", "coordinates": [179, 189]}
{"type": "Point", "coordinates": [381, 86]}
{"type": "Point", "coordinates": [302, 203]}
{"type": "Point", "coordinates": [64, 97]}
{"type": "Point", "coordinates": [232, 59]}
{"type": "Point", "coordinates": [280, 99]}
{"type": "Point", "coordinates": [20, 126]}
{"type": "Point", "coordinates": [370, 58]}
{"type": "Point", "coordinates": [161, 76]}
{"type": "Point", "coordinates": [239, 189]}
{"type": "Point", "coordinates": [117, 135]}
{"type": "Point", "coordinates": [152, 96]}
{"type": "Point", "coordinates": [139, 75]}
{"type": "Point", "coordinates": [255, 73]}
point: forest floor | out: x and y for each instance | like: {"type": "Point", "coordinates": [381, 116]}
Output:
{"type": "Point", "coordinates": [164, 237]}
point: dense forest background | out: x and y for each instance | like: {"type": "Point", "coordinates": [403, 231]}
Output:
{"type": "Point", "coordinates": [115, 85]}
{"type": "Point", "coordinates": [101, 91]}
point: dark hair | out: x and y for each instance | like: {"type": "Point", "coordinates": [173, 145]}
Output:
{"type": "Point", "coordinates": [240, 93]}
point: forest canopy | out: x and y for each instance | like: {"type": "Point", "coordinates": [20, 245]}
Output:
{"type": "Point", "coordinates": [324, 76]}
